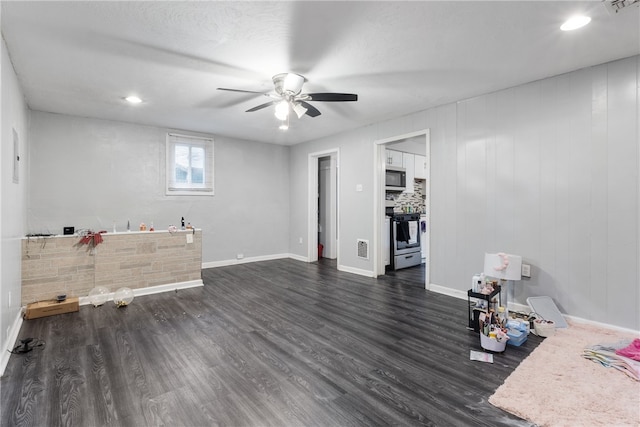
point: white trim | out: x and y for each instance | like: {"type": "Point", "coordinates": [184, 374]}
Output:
{"type": "Point", "coordinates": [298, 257]}
{"type": "Point", "coordinates": [354, 270]}
{"type": "Point", "coordinates": [526, 309]}
{"type": "Point", "coordinates": [227, 262]}
{"type": "Point", "coordinates": [427, 208]}
{"type": "Point", "coordinates": [11, 342]}
{"type": "Point", "coordinates": [602, 325]}
{"type": "Point", "coordinates": [447, 291]}
{"type": "Point", "coordinates": [150, 290]}
{"type": "Point", "coordinates": [208, 187]}
{"type": "Point", "coordinates": [379, 146]}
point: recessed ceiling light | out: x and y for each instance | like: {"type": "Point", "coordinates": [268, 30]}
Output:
{"type": "Point", "coordinates": [133, 99]}
{"type": "Point", "coordinates": [575, 22]}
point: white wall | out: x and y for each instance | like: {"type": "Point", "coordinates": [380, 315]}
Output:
{"type": "Point", "coordinates": [546, 170]}
{"type": "Point", "coordinates": [87, 173]}
{"type": "Point", "coordinates": [355, 208]}
{"type": "Point", "coordinates": [12, 198]}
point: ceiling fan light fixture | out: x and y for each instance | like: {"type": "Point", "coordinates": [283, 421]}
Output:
{"type": "Point", "coordinates": [575, 22]}
{"type": "Point", "coordinates": [293, 83]}
{"type": "Point", "coordinates": [282, 110]}
{"type": "Point", "coordinates": [299, 110]}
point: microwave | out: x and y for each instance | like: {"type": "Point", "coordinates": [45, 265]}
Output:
{"type": "Point", "coordinates": [395, 178]}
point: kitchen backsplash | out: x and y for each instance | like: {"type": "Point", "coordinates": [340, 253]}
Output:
{"type": "Point", "coordinates": [416, 199]}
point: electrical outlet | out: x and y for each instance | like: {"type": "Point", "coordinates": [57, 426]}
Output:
{"type": "Point", "coordinates": [240, 256]}
{"type": "Point", "coordinates": [526, 270]}
{"type": "Point", "coordinates": [189, 237]}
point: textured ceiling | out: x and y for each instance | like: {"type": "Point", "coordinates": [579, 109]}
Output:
{"type": "Point", "coordinates": [83, 58]}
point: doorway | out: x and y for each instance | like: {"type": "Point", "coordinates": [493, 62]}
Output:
{"type": "Point", "coordinates": [323, 206]}
{"type": "Point", "coordinates": [414, 142]}
{"type": "Point", "coordinates": [327, 178]}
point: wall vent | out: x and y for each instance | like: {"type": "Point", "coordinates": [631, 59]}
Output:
{"type": "Point", "coordinates": [363, 249]}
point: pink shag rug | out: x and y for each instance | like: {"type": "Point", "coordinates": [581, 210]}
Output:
{"type": "Point", "coordinates": [556, 386]}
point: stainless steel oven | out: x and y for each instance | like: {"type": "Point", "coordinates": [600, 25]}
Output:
{"type": "Point", "coordinates": [405, 242]}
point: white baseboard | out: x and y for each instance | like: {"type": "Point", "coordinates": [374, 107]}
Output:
{"type": "Point", "coordinates": [357, 271]}
{"type": "Point", "coordinates": [522, 308]}
{"type": "Point", "coordinates": [602, 325]}
{"type": "Point", "coordinates": [224, 263]}
{"type": "Point", "coordinates": [152, 290]}
{"type": "Point", "coordinates": [447, 291]}
{"type": "Point", "coordinates": [11, 342]}
{"type": "Point", "coordinates": [227, 262]}
{"type": "Point", "coordinates": [298, 257]}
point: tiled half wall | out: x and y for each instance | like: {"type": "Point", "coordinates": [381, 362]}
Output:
{"type": "Point", "coordinates": [61, 265]}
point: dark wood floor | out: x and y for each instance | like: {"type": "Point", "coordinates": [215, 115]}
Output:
{"type": "Point", "coordinates": [275, 343]}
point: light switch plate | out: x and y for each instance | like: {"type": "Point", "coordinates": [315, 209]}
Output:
{"type": "Point", "coordinates": [526, 270]}
{"type": "Point", "coordinates": [189, 238]}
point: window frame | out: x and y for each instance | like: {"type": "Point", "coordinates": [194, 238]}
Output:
{"type": "Point", "coordinates": [172, 188]}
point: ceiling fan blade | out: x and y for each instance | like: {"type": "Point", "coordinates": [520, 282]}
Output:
{"type": "Point", "coordinates": [261, 106]}
{"type": "Point", "coordinates": [240, 90]}
{"type": "Point", "coordinates": [332, 97]}
{"type": "Point", "coordinates": [311, 110]}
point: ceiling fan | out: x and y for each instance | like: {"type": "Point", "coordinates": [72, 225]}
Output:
{"type": "Point", "coordinates": [288, 96]}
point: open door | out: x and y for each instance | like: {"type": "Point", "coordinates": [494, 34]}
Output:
{"type": "Point", "coordinates": [327, 215]}
{"type": "Point", "coordinates": [323, 205]}
{"type": "Point", "coordinates": [401, 143]}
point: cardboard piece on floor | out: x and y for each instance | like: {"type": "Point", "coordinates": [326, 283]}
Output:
{"type": "Point", "coordinates": [547, 309]}
{"type": "Point", "coordinates": [50, 308]}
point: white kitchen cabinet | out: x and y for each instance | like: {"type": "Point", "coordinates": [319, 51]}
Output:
{"type": "Point", "coordinates": [420, 169]}
{"type": "Point", "coordinates": [408, 162]}
{"type": "Point", "coordinates": [394, 158]}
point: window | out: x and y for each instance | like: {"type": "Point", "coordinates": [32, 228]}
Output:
{"type": "Point", "coordinates": [189, 165]}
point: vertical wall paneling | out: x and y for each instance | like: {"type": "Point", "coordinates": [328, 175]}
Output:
{"type": "Point", "coordinates": [462, 203]}
{"type": "Point", "coordinates": [492, 208]}
{"type": "Point", "coordinates": [579, 227]}
{"type": "Point", "coordinates": [543, 262]}
{"type": "Point", "coordinates": [445, 223]}
{"type": "Point", "coordinates": [622, 190]}
{"type": "Point", "coordinates": [565, 114]}
{"type": "Point", "coordinates": [525, 175]}
{"type": "Point", "coordinates": [559, 186]}
{"type": "Point", "coordinates": [591, 294]}
{"type": "Point", "coordinates": [475, 196]}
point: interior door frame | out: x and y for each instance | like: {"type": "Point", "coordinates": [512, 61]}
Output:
{"type": "Point", "coordinates": [312, 202]}
{"type": "Point", "coordinates": [379, 147]}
